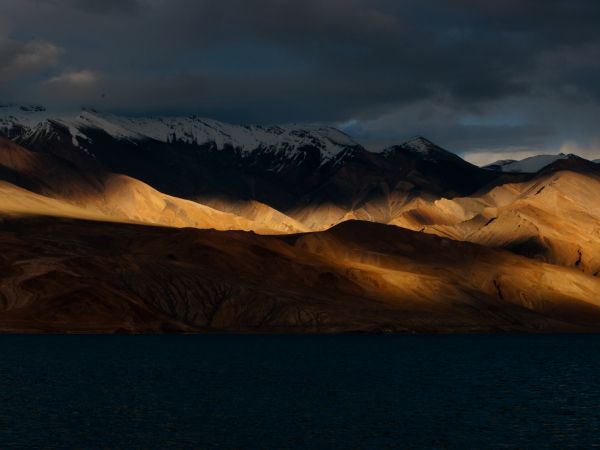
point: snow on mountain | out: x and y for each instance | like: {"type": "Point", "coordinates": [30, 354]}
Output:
{"type": "Point", "coordinates": [14, 117]}
{"type": "Point", "coordinates": [528, 165]}
{"type": "Point", "coordinates": [423, 149]}
{"type": "Point", "coordinates": [420, 145]}
{"type": "Point", "coordinates": [190, 130]}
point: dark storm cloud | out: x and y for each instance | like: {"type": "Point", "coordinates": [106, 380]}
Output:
{"type": "Point", "coordinates": [93, 6]}
{"type": "Point", "coordinates": [321, 60]}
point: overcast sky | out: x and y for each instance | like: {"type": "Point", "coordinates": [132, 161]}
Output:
{"type": "Point", "coordinates": [485, 79]}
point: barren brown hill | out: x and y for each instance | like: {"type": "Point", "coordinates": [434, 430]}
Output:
{"type": "Point", "coordinates": [81, 276]}
{"type": "Point", "coordinates": [554, 217]}
{"type": "Point", "coordinates": [262, 215]}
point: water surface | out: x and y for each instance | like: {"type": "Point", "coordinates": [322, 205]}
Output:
{"type": "Point", "coordinates": [299, 392]}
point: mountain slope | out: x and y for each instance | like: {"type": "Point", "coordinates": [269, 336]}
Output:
{"type": "Point", "coordinates": [57, 187]}
{"type": "Point", "coordinates": [317, 175]}
{"type": "Point", "coordinates": [553, 217]}
{"type": "Point", "coordinates": [449, 174]}
{"type": "Point", "coordinates": [72, 276]}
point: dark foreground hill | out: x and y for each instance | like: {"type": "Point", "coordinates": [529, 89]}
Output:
{"type": "Point", "coordinates": [64, 275]}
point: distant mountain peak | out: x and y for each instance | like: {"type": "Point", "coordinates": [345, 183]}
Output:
{"type": "Point", "coordinates": [420, 144]}
{"type": "Point", "coordinates": [422, 148]}
{"type": "Point", "coordinates": [531, 164]}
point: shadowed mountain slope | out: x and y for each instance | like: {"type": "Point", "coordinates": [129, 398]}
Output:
{"type": "Point", "coordinates": [73, 276]}
{"type": "Point", "coordinates": [66, 189]}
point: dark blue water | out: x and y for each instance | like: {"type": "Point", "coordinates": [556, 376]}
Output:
{"type": "Point", "coordinates": [299, 392]}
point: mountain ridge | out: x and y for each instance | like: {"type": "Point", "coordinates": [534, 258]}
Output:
{"type": "Point", "coordinates": [191, 130]}
{"type": "Point", "coordinates": [532, 164]}
{"type": "Point", "coordinates": [312, 168]}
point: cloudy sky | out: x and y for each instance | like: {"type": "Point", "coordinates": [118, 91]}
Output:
{"type": "Point", "coordinates": [486, 79]}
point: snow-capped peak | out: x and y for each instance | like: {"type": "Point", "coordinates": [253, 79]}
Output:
{"type": "Point", "coordinates": [420, 144]}
{"type": "Point", "coordinates": [185, 129]}
{"type": "Point", "coordinates": [423, 149]}
{"type": "Point", "coordinates": [528, 165]}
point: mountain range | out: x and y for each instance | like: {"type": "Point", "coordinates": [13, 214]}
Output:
{"type": "Point", "coordinates": [112, 223]}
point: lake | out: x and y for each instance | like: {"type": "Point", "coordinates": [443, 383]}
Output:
{"type": "Point", "coordinates": [299, 392]}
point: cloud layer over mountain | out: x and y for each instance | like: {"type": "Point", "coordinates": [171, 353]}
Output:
{"type": "Point", "coordinates": [477, 76]}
